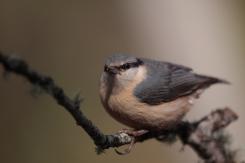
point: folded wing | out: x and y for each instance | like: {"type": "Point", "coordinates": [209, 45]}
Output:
{"type": "Point", "coordinates": [166, 82]}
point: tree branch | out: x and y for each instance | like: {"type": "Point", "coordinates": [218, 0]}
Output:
{"type": "Point", "coordinates": [203, 136]}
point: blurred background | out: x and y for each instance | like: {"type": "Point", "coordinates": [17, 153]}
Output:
{"type": "Point", "coordinates": [69, 40]}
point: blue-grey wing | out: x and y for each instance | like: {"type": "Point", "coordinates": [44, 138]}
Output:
{"type": "Point", "coordinates": [166, 82]}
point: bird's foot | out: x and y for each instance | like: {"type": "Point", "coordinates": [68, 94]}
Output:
{"type": "Point", "coordinates": [134, 134]}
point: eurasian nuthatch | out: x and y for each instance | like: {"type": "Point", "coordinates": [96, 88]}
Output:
{"type": "Point", "coordinates": [149, 95]}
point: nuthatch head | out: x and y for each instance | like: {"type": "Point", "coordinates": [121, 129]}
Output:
{"type": "Point", "coordinates": [146, 94]}
{"type": "Point", "coordinates": [121, 68]}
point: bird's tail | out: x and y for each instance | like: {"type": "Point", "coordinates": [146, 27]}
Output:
{"type": "Point", "coordinates": [209, 80]}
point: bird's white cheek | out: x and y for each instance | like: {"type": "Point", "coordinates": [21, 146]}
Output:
{"type": "Point", "coordinates": [129, 74]}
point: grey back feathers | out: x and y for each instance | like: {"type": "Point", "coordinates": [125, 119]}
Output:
{"type": "Point", "coordinates": [166, 82]}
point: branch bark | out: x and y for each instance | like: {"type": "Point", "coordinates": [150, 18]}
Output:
{"type": "Point", "coordinates": [203, 136]}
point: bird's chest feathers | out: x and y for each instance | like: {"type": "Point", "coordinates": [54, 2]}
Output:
{"type": "Point", "coordinates": [120, 98]}
{"type": "Point", "coordinates": [122, 101]}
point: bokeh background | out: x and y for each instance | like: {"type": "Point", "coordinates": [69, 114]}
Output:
{"type": "Point", "coordinates": [70, 40]}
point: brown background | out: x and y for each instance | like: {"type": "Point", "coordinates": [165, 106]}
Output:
{"type": "Point", "coordinates": [70, 40]}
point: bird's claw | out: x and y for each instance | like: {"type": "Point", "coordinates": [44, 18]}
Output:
{"type": "Point", "coordinates": [134, 134]}
{"type": "Point", "coordinates": [127, 150]}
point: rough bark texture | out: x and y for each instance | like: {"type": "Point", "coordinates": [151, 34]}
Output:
{"type": "Point", "coordinates": [205, 136]}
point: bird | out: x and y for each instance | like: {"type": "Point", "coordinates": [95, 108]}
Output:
{"type": "Point", "coordinates": [149, 95]}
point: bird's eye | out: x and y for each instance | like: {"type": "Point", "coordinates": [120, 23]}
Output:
{"type": "Point", "coordinates": [106, 68]}
{"type": "Point", "coordinates": [125, 66]}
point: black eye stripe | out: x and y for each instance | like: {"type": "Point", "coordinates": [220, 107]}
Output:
{"type": "Point", "coordinates": [125, 66]}
{"type": "Point", "coordinates": [130, 65]}
{"type": "Point", "coordinates": [139, 62]}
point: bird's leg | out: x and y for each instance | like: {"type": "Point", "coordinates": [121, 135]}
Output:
{"type": "Point", "coordinates": [134, 134]}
